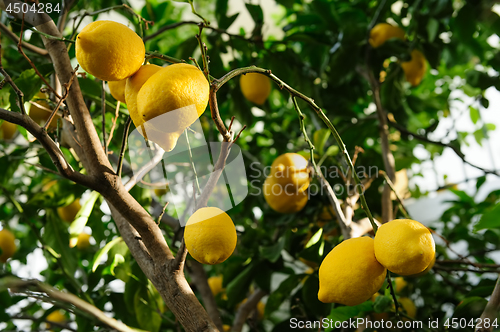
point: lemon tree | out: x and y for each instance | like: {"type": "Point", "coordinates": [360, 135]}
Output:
{"type": "Point", "coordinates": [344, 88]}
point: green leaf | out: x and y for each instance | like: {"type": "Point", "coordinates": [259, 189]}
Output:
{"type": "Point", "coordinates": [489, 220]}
{"type": "Point", "coordinates": [29, 83]}
{"type": "Point", "coordinates": [432, 29]}
{"type": "Point", "coordinates": [10, 163]}
{"type": "Point", "coordinates": [55, 236]}
{"type": "Point", "coordinates": [256, 13]}
{"type": "Point", "coordinates": [81, 218]}
{"type": "Point", "coordinates": [283, 292]}
{"type": "Point", "coordinates": [382, 303]}
{"type": "Point", "coordinates": [490, 126]}
{"type": "Point", "coordinates": [98, 256]}
{"type": "Point", "coordinates": [332, 150]}
{"type": "Point", "coordinates": [310, 296]}
{"type": "Point", "coordinates": [273, 253]}
{"type": "Point", "coordinates": [145, 311]}
{"type": "Point", "coordinates": [237, 289]}
{"type": "Point", "coordinates": [344, 313]}
{"type": "Point", "coordinates": [479, 136]}
{"type": "Point", "coordinates": [470, 307]}
{"type": "Point", "coordinates": [474, 114]}
{"type": "Point", "coordinates": [319, 139]}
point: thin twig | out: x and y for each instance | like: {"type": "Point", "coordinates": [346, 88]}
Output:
{"type": "Point", "coordinates": [26, 45]}
{"type": "Point", "coordinates": [67, 86]}
{"type": "Point", "coordinates": [157, 55]}
{"type": "Point", "coordinates": [124, 146]}
{"type": "Point", "coordinates": [103, 112]}
{"type": "Point", "coordinates": [20, 49]}
{"type": "Point", "coordinates": [162, 213]}
{"type": "Point", "coordinates": [391, 185]}
{"type": "Point", "coordinates": [113, 124]}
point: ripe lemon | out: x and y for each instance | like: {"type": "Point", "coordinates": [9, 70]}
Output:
{"type": "Point", "coordinates": [399, 283]}
{"type": "Point", "coordinates": [415, 68]}
{"type": "Point", "coordinates": [55, 317]}
{"type": "Point", "coordinates": [41, 114]}
{"type": "Point", "coordinates": [83, 241]}
{"type": "Point", "coordinates": [382, 32]}
{"type": "Point", "coordinates": [68, 212]}
{"type": "Point", "coordinates": [226, 328]}
{"type": "Point", "coordinates": [427, 269]}
{"type": "Point", "coordinates": [280, 200]}
{"type": "Point", "coordinates": [117, 89]}
{"type": "Point", "coordinates": [404, 246]}
{"type": "Point", "coordinates": [255, 87]}
{"type": "Point", "coordinates": [409, 306]}
{"type": "Point", "coordinates": [109, 50]}
{"type": "Point", "coordinates": [215, 284]}
{"type": "Point", "coordinates": [350, 274]}
{"type": "Point", "coordinates": [210, 236]}
{"type": "Point", "coordinates": [7, 244]}
{"type": "Point", "coordinates": [169, 102]}
{"type": "Point", "coordinates": [7, 130]}
{"type": "Point", "coordinates": [261, 307]}
{"type": "Point", "coordinates": [291, 171]}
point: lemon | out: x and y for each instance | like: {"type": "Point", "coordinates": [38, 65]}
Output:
{"type": "Point", "coordinates": [55, 317]}
{"type": "Point", "coordinates": [226, 328]}
{"type": "Point", "coordinates": [210, 236]}
{"type": "Point", "coordinates": [215, 284]}
{"type": "Point", "coordinates": [350, 274]}
{"type": "Point", "coordinates": [170, 101]}
{"type": "Point", "coordinates": [41, 114]}
{"type": "Point", "coordinates": [415, 68]}
{"type": "Point", "coordinates": [255, 87]}
{"type": "Point", "coordinates": [7, 244]}
{"type": "Point", "coordinates": [427, 269]}
{"type": "Point", "coordinates": [261, 307]}
{"type": "Point", "coordinates": [404, 246]}
{"type": "Point", "coordinates": [160, 191]}
{"type": "Point", "coordinates": [68, 212]}
{"type": "Point", "coordinates": [280, 200]}
{"type": "Point", "coordinates": [382, 32]}
{"type": "Point", "coordinates": [291, 171]}
{"type": "Point", "coordinates": [409, 306]}
{"type": "Point", "coordinates": [7, 130]}
{"type": "Point", "coordinates": [399, 283]}
{"type": "Point", "coordinates": [109, 50]}
{"type": "Point", "coordinates": [117, 89]}
{"type": "Point", "coordinates": [83, 241]}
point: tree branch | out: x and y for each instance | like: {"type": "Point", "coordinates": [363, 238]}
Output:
{"type": "Point", "coordinates": [491, 310]}
{"type": "Point", "coordinates": [19, 285]}
{"type": "Point", "coordinates": [246, 308]}
{"type": "Point", "coordinates": [199, 279]}
{"type": "Point", "coordinates": [26, 45]}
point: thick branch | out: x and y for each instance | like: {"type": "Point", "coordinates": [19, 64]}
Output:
{"type": "Point", "coordinates": [199, 278]}
{"type": "Point", "coordinates": [246, 308]}
{"type": "Point", "coordinates": [491, 310]}
{"type": "Point", "coordinates": [49, 145]}
{"type": "Point", "coordinates": [25, 45]}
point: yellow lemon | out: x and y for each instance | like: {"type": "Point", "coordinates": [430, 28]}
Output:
{"type": "Point", "coordinates": [415, 68]}
{"type": "Point", "coordinates": [427, 269]}
{"type": "Point", "coordinates": [404, 246]}
{"type": "Point", "coordinates": [7, 244]}
{"type": "Point", "coordinates": [169, 101]}
{"type": "Point", "coordinates": [382, 32]}
{"type": "Point", "coordinates": [409, 306]}
{"type": "Point", "coordinates": [226, 328]}
{"type": "Point", "coordinates": [160, 191]}
{"type": "Point", "coordinates": [56, 317]}
{"type": "Point", "coordinates": [68, 212]}
{"type": "Point", "coordinates": [83, 241]}
{"type": "Point", "coordinates": [261, 307]}
{"type": "Point", "coordinates": [350, 274]}
{"type": "Point", "coordinates": [109, 50]}
{"type": "Point", "coordinates": [280, 200]}
{"type": "Point", "coordinates": [291, 171]}
{"type": "Point", "coordinates": [117, 89]}
{"type": "Point", "coordinates": [210, 236]}
{"type": "Point", "coordinates": [7, 130]}
{"type": "Point", "coordinates": [215, 284]}
{"type": "Point", "coordinates": [399, 283]}
{"type": "Point", "coordinates": [40, 114]}
{"type": "Point", "coordinates": [255, 87]}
